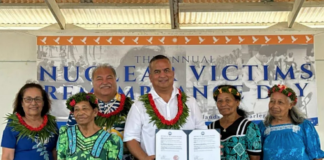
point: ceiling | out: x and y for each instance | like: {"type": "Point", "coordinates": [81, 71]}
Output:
{"type": "Point", "coordinates": [160, 14]}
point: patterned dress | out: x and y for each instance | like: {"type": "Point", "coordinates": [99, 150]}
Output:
{"type": "Point", "coordinates": [118, 127]}
{"type": "Point", "coordinates": [72, 145]}
{"type": "Point", "coordinates": [26, 148]}
{"type": "Point", "coordinates": [240, 139]}
{"type": "Point", "coordinates": [289, 141]}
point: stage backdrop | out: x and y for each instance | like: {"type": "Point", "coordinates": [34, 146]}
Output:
{"type": "Point", "coordinates": [201, 63]}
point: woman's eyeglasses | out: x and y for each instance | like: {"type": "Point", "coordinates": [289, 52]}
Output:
{"type": "Point", "coordinates": [30, 100]}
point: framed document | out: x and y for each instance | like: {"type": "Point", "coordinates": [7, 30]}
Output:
{"type": "Point", "coordinates": [187, 145]}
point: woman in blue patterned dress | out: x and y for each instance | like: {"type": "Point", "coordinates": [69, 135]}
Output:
{"type": "Point", "coordinates": [241, 138]}
{"type": "Point", "coordinates": [286, 134]}
{"type": "Point", "coordinates": [31, 133]}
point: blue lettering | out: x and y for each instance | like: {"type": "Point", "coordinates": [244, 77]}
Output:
{"type": "Point", "coordinates": [259, 91]}
{"type": "Point", "coordinates": [51, 93]}
{"type": "Point", "coordinates": [146, 74]}
{"type": "Point", "coordinates": [225, 75]}
{"type": "Point", "coordinates": [130, 92]}
{"type": "Point", "coordinates": [127, 73]}
{"type": "Point", "coordinates": [304, 69]}
{"type": "Point", "coordinates": [42, 70]}
{"type": "Point", "coordinates": [86, 73]}
{"type": "Point", "coordinates": [65, 92]}
{"type": "Point", "coordinates": [195, 72]}
{"type": "Point", "coordinates": [66, 74]}
{"type": "Point", "coordinates": [195, 90]}
{"type": "Point", "coordinates": [283, 76]}
{"type": "Point", "coordinates": [250, 71]}
{"type": "Point", "coordinates": [148, 89]}
{"type": "Point", "coordinates": [301, 90]}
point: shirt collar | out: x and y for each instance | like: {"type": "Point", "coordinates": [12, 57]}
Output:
{"type": "Point", "coordinates": [175, 91]}
{"type": "Point", "coordinates": [117, 97]}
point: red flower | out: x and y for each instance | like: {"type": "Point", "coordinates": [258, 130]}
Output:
{"type": "Point", "coordinates": [281, 89]}
{"type": "Point", "coordinates": [72, 103]}
{"type": "Point", "coordinates": [96, 102]}
{"type": "Point", "coordinates": [289, 94]}
{"type": "Point", "coordinates": [158, 114]}
{"type": "Point", "coordinates": [37, 129]}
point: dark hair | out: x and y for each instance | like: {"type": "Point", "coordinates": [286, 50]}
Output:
{"type": "Point", "coordinates": [239, 111]}
{"type": "Point", "coordinates": [80, 97]}
{"type": "Point", "coordinates": [20, 95]}
{"type": "Point", "coordinates": [158, 57]}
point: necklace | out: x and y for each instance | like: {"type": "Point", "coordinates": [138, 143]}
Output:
{"type": "Point", "coordinates": [109, 106]}
{"type": "Point", "coordinates": [157, 117]}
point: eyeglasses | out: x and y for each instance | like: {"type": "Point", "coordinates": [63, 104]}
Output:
{"type": "Point", "coordinates": [30, 100]}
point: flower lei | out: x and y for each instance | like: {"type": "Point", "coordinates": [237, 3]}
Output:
{"type": "Point", "coordinates": [21, 120]}
{"type": "Point", "coordinates": [159, 120]}
{"type": "Point", "coordinates": [226, 90]}
{"type": "Point", "coordinates": [44, 131]}
{"type": "Point", "coordinates": [79, 97]}
{"type": "Point", "coordinates": [109, 119]}
{"type": "Point", "coordinates": [284, 90]}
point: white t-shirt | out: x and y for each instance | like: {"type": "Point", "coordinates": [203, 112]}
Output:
{"type": "Point", "coordinates": [138, 124]}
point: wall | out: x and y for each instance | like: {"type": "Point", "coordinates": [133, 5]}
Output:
{"type": "Point", "coordinates": [18, 55]}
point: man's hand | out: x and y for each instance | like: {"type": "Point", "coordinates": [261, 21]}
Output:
{"type": "Point", "coordinates": [221, 146]}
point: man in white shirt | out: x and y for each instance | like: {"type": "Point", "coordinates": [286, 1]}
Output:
{"type": "Point", "coordinates": [139, 132]}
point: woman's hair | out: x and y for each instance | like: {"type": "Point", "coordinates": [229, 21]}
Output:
{"type": "Point", "coordinates": [80, 97]}
{"type": "Point", "coordinates": [234, 92]}
{"type": "Point", "coordinates": [20, 95]}
{"type": "Point", "coordinates": [296, 116]}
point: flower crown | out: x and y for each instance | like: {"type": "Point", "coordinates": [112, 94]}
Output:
{"type": "Point", "coordinates": [284, 90]}
{"type": "Point", "coordinates": [79, 97]}
{"type": "Point", "coordinates": [227, 89]}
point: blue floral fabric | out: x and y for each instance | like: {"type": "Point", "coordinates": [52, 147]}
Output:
{"type": "Point", "coordinates": [26, 148]}
{"type": "Point", "coordinates": [289, 141]}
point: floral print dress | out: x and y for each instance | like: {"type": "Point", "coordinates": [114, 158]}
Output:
{"type": "Point", "coordinates": [72, 145]}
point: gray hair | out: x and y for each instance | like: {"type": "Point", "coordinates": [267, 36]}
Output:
{"type": "Point", "coordinates": [101, 66]}
{"type": "Point", "coordinates": [296, 116]}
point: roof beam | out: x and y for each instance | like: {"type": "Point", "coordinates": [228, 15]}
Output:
{"type": "Point", "coordinates": [294, 12]}
{"type": "Point", "coordinates": [174, 13]}
{"type": "Point", "coordinates": [58, 15]}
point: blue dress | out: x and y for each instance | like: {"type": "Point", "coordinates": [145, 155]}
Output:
{"type": "Point", "coordinates": [289, 141]}
{"type": "Point", "coordinates": [240, 140]}
{"type": "Point", "coordinates": [25, 148]}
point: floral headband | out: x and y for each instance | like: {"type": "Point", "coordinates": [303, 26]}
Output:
{"type": "Point", "coordinates": [79, 97]}
{"type": "Point", "coordinates": [284, 90]}
{"type": "Point", "coordinates": [226, 89]}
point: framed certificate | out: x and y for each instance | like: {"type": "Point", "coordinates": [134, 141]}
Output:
{"type": "Point", "coordinates": [187, 145]}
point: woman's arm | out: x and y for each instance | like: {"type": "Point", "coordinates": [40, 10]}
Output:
{"type": "Point", "coordinates": [254, 157]}
{"type": "Point", "coordinates": [7, 153]}
{"type": "Point", "coordinates": [54, 154]}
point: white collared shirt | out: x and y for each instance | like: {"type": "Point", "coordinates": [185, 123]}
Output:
{"type": "Point", "coordinates": [139, 128]}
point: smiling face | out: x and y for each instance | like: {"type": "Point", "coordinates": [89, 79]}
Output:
{"type": "Point", "coordinates": [227, 104]}
{"type": "Point", "coordinates": [161, 74]}
{"type": "Point", "coordinates": [279, 105]}
{"type": "Point", "coordinates": [32, 102]}
{"type": "Point", "coordinates": [84, 113]}
{"type": "Point", "coordinates": [104, 82]}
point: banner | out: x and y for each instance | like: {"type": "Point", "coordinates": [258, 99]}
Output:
{"type": "Point", "coordinates": [201, 63]}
